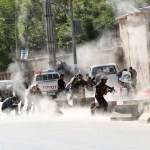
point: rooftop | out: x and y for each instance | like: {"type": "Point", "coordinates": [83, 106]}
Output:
{"type": "Point", "coordinates": [135, 12]}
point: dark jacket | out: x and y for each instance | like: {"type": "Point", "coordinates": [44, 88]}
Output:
{"type": "Point", "coordinates": [61, 85]}
{"type": "Point", "coordinates": [103, 89]}
{"type": "Point", "coordinates": [133, 73]}
{"type": "Point", "coordinates": [80, 83]}
{"type": "Point", "coordinates": [7, 103]}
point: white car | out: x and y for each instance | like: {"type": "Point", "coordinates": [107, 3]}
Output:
{"type": "Point", "coordinates": [47, 81]}
{"type": "Point", "coordinates": [110, 70]}
{"type": "Point", "coordinates": [5, 86]}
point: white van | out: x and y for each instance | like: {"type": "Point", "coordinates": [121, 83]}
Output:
{"type": "Point", "coordinates": [110, 70]}
{"type": "Point", "coordinates": [47, 81]}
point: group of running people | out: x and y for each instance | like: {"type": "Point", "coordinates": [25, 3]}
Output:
{"type": "Point", "coordinates": [77, 86]}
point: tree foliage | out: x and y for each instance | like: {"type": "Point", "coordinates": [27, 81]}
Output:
{"type": "Point", "coordinates": [7, 32]}
{"type": "Point", "coordinates": [96, 16]}
{"type": "Point", "coordinates": [31, 24]}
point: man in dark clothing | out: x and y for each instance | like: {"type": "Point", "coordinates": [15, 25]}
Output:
{"type": "Point", "coordinates": [133, 78]}
{"type": "Point", "coordinates": [10, 104]}
{"type": "Point", "coordinates": [61, 83]}
{"type": "Point", "coordinates": [61, 90]}
{"type": "Point", "coordinates": [133, 72]}
{"type": "Point", "coordinates": [102, 89]}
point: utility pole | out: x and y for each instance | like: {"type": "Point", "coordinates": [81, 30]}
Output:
{"type": "Point", "coordinates": [51, 47]}
{"type": "Point", "coordinates": [73, 39]}
{"type": "Point", "coordinates": [16, 29]}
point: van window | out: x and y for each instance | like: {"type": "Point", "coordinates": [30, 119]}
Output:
{"type": "Point", "coordinates": [55, 76]}
{"type": "Point", "coordinates": [50, 76]}
{"type": "Point", "coordinates": [46, 77]}
{"type": "Point", "coordinates": [38, 77]}
{"type": "Point", "coordinates": [104, 70]}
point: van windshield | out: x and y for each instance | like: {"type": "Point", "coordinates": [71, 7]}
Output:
{"type": "Point", "coordinates": [46, 77]}
{"type": "Point", "coordinates": [107, 70]}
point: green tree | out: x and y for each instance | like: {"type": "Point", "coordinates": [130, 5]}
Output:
{"type": "Point", "coordinates": [31, 24]}
{"type": "Point", "coordinates": [7, 32]}
{"type": "Point", "coordinates": [96, 17]}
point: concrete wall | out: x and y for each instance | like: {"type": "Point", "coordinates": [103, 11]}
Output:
{"type": "Point", "coordinates": [133, 33]}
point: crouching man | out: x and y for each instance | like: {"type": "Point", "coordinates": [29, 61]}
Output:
{"type": "Point", "coordinates": [10, 104]}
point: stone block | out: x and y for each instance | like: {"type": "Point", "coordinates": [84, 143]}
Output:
{"type": "Point", "coordinates": [125, 113]}
{"type": "Point", "coordinates": [145, 117]}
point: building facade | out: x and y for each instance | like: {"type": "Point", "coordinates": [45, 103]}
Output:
{"type": "Point", "coordinates": [135, 39]}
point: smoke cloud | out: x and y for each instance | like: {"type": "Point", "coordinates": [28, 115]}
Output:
{"type": "Point", "coordinates": [97, 52]}
{"type": "Point", "coordinates": [122, 7]}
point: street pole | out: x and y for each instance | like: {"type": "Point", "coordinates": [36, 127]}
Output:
{"type": "Point", "coordinates": [73, 39]}
{"type": "Point", "coordinates": [16, 29]}
{"type": "Point", "coordinates": [51, 47]}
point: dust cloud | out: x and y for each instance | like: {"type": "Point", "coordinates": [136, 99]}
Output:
{"type": "Point", "coordinates": [123, 7]}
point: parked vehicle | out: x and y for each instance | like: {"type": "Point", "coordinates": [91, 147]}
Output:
{"type": "Point", "coordinates": [47, 81]}
{"type": "Point", "coordinates": [110, 70]}
{"type": "Point", "coordinates": [6, 89]}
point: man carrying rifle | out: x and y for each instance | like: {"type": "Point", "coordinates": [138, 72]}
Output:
{"type": "Point", "coordinates": [101, 89]}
